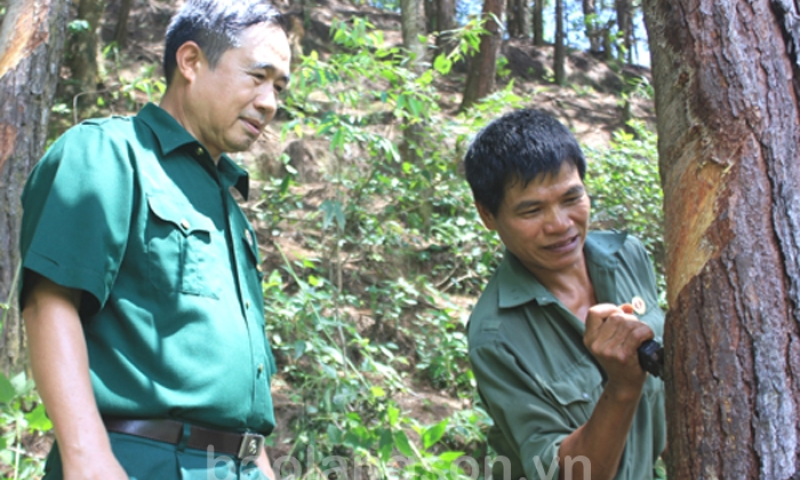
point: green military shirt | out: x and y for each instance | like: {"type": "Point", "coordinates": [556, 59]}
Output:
{"type": "Point", "coordinates": [539, 382]}
{"type": "Point", "coordinates": [134, 212]}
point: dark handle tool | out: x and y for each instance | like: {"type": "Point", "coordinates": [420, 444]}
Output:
{"type": "Point", "coordinates": [651, 357]}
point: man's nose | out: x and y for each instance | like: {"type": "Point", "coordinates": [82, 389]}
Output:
{"type": "Point", "coordinates": [266, 101]}
{"type": "Point", "coordinates": [558, 220]}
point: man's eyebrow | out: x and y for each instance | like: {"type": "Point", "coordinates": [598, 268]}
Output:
{"type": "Point", "coordinates": [270, 68]}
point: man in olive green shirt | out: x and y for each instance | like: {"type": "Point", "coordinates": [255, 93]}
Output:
{"type": "Point", "coordinates": [554, 356]}
{"type": "Point", "coordinates": [142, 286]}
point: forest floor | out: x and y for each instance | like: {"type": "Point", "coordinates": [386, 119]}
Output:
{"type": "Point", "coordinates": [589, 104]}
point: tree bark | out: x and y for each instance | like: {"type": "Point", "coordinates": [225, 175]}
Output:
{"type": "Point", "coordinates": [560, 53]}
{"type": "Point", "coordinates": [538, 23]}
{"type": "Point", "coordinates": [726, 77]}
{"type": "Point", "coordinates": [483, 68]}
{"type": "Point", "coordinates": [440, 17]}
{"type": "Point", "coordinates": [518, 18]}
{"type": "Point", "coordinates": [31, 44]}
{"type": "Point", "coordinates": [121, 30]}
{"type": "Point", "coordinates": [81, 55]}
{"type": "Point", "coordinates": [624, 24]}
{"type": "Point", "coordinates": [593, 31]}
{"type": "Point", "coordinates": [413, 25]}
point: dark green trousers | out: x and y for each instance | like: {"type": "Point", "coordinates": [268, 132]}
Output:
{"type": "Point", "coordinates": [145, 459]}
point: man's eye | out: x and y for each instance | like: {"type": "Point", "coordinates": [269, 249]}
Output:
{"type": "Point", "coordinates": [258, 76]}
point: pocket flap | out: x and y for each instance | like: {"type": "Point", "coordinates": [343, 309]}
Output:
{"type": "Point", "coordinates": [180, 214]}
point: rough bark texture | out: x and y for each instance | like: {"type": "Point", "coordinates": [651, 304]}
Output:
{"type": "Point", "coordinates": [31, 43]}
{"type": "Point", "coordinates": [593, 30]}
{"type": "Point", "coordinates": [518, 18]}
{"type": "Point", "coordinates": [560, 52]}
{"type": "Point", "coordinates": [538, 23]}
{"type": "Point", "coordinates": [121, 30]}
{"type": "Point", "coordinates": [483, 68]}
{"type": "Point", "coordinates": [413, 25]}
{"type": "Point", "coordinates": [725, 76]}
{"type": "Point", "coordinates": [624, 11]}
{"type": "Point", "coordinates": [441, 17]}
{"type": "Point", "coordinates": [81, 57]}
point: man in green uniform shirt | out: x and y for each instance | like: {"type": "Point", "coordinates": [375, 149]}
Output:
{"type": "Point", "coordinates": [142, 286]}
{"type": "Point", "coordinates": [553, 354]}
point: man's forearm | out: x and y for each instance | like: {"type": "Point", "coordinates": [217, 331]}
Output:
{"type": "Point", "coordinates": [60, 364]}
{"type": "Point", "coordinates": [602, 438]}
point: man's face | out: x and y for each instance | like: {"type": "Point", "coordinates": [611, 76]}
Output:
{"type": "Point", "coordinates": [230, 105]}
{"type": "Point", "coordinates": [545, 222]}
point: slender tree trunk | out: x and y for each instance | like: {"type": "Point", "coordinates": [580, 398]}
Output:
{"type": "Point", "coordinates": [624, 15]}
{"type": "Point", "coordinates": [81, 55]}
{"type": "Point", "coordinates": [31, 44]}
{"type": "Point", "coordinates": [441, 17]}
{"type": "Point", "coordinates": [121, 30]}
{"type": "Point", "coordinates": [538, 23]}
{"type": "Point", "coordinates": [726, 77]}
{"type": "Point", "coordinates": [593, 32]}
{"type": "Point", "coordinates": [483, 68]}
{"type": "Point", "coordinates": [518, 18]}
{"type": "Point", "coordinates": [413, 25]}
{"type": "Point", "coordinates": [560, 54]}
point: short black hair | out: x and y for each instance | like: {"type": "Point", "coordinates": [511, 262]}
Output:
{"type": "Point", "coordinates": [215, 25]}
{"type": "Point", "coordinates": [519, 146]}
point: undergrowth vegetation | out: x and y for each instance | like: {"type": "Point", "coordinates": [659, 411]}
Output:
{"type": "Point", "coordinates": [378, 310]}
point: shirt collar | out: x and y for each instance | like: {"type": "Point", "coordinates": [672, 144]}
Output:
{"type": "Point", "coordinates": [518, 286]}
{"type": "Point", "coordinates": [171, 136]}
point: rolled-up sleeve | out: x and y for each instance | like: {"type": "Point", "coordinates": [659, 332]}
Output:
{"type": "Point", "coordinates": [77, 211]}
{"type": "Point", "coordinates": [531, 425]}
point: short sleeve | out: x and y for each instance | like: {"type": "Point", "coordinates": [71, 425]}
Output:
{"type": "Point", "coordinates": [77, 208]}
{"type": "Point", "coordinates": [532, 426]}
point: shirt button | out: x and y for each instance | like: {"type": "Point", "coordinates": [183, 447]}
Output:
{"type": "Point", "coordinates": [586, 395]}
{"type": "Point", "coordinates": [260, 368]}
{"type": "Point", "coordinates": [200, 151]}
{"type": "Point", "coordinates": [185, 224]}
{"type": "Point", "coordinates": [247, 304]}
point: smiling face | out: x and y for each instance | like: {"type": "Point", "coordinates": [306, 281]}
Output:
{"type": "Point", "coordinates": [228, 106]}
{"type": "Point", "coordinates": [544, 223]}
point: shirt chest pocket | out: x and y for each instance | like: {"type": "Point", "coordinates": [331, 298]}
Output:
{"type": "Point", "coordinates": [575, 393]}
{"type": "Point", "coordinates": [180, 248]}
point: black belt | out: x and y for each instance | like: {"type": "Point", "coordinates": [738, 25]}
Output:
{"type": "Point", "coordinates": [240, 445]}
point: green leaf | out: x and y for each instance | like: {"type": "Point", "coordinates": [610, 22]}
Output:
{"type": "Point", "coordinates": [385, 445]}
{"type": "Point", "coordinates": [7, 391]}
{"type": "Point", "coordinates": [450, 457]}
{"type": "Point", "coordinates": [403, 445]}
{"type": "Point", "coordinates": [442, 64]}
{"type": "Point", "coordinates": [37, 420]}
{"type": "Point", "coordinates": [394, 414]}
{"type": "Point", "coordinates": [434, 434]}
{"type": "Point", "coordinates": [378, 392]}
{"type": "Point", "coordinates": [334, 434]}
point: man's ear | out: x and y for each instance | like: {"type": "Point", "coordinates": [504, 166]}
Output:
{"type": "Point", "coordinates": [486, 216]}
{"type": "Point", "coordinates": [189, 60]}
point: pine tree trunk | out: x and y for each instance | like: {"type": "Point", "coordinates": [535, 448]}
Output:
{"type": "Point", "coordinates": [560, 53]}
{"type": "Point", "coordinates": [31, 44]}
{"type": "Point", "coordinates": [121, 30]}
{"type": "Point", "coordinates": [441, 17]}
{"type": "Point", "coordinates": [483, 68]}
{"type": "Point", "coordinates": [624, 24]}
{"type": "Point", "coordinates": [726, 77]}
{"type": "Point", "coordinates": [518, 18]}
{"type": "Point", "coordinates": [593, 32]}
{"type": "Point", "coordinates": [538, 23]}
{"type": "Point", "coordinates": [413, 25]}
{"type": "Point", "coordinates": [82, 49]}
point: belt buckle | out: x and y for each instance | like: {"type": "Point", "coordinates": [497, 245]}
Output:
{"type": "Point", "coordinates": [251, 445]}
